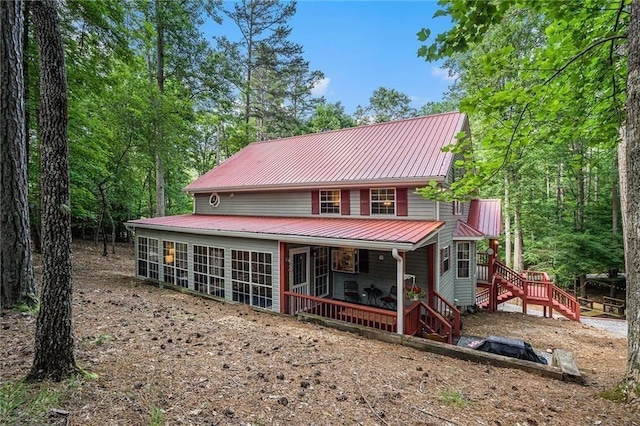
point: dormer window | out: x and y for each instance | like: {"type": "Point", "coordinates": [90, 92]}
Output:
{"type": "Point", "coordinates": [330, 201]}
{"type": "Point", "coordinates": [383, 201]}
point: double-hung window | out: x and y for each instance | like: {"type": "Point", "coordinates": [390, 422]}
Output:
{"type": "Point", "coordinates": [463, 257]}
{"type": "Point", "coordinates": [330, 201]}
{"type": "Point", "coordinates": [445, 259]}
{"type": "Point", "coordinates": [383, 201]}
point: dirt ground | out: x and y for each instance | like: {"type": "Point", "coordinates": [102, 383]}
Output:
{"type": "Point", "coordinates": [163, 357]}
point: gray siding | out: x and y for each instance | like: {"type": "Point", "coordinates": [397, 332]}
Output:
{"type": "Point", "coordinates": [227, 244]}
{"type": "Point", "coordinates": [257, 204]}
{"type": "Point", "coordinates": [382, 273]}
{"type": "Point", "coordinates": [465, 288]}
{"type": "Point", "coordinates": [296, 204]}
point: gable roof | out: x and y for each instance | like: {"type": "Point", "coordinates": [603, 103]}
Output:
{"type": "Point", "coordinates": [399, 152]}
{"type": "Point", "coordinates": [486, 216]}
{"type": "Point", "coordinates": [346, 232]}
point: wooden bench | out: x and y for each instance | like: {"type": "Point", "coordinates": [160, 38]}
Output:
{"type": "Point", "coordinates": [613, 306]}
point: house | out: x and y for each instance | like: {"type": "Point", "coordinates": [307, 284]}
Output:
{"type": "Point", "coordinates": [330, 223]}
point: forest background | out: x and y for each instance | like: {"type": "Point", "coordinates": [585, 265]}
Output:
{"type": "Point", "coordinates": [153, 104]}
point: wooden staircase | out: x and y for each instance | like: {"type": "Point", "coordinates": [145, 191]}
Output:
{"type": "Point", "coordinates": [533, 288]}
{"type": "Point", "coordinates": [439, 320]}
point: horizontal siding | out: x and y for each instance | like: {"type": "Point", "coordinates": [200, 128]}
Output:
{"type": "Point", "coordinates": [420, 207]}
{"type": "Point", "coordinates": [257, 204]}
{"type": "Point", "coordinates": [465, 288]}
{"type": "Point", "coordinates": [227, 244]}
{"type": "Point", "coordinates": [297, 204]}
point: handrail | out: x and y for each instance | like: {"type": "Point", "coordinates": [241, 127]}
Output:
{"type": "Point", "coordinates": [565, 299]}
{"type": "Point", "coordinates": [510, 275]}
{"type": "Point", "coordinates": [367, 316]}
{"type": "Point", "coordinates": [447, 310]}
{"type": "Point", "coordinates": [412, 320]}
{"type": "Point", "coordinates": [536, 276]}
{"type": "Point", "coordinates": [437, 323]}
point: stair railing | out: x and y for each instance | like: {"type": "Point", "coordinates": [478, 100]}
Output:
{"type": "Point", "coordinates": [447, 310]}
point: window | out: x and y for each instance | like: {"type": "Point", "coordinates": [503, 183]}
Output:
{"type": "Point", "coordinates": [208, 270]}
{"type": "Point", "coordinates": [176, 265]}
{"type": "Point", "coordinates": [214, 200]}
{"type": "Point", "coordinates": [148, 257]}
{"type": "Point", "coordinates": [321, 271]}
{"type": "Point", "coordinates": [252, 278]}
{"type": "Point", "coordinates": [383, 201]}
{"type": "Point", "coordinates": [330, 201]}
{"type": "Point", "coordinates": [464, 259]}
{"type": "Point", "coordinates": [445, 261]}
{"type": "Point", "coordinates": [457, 208]}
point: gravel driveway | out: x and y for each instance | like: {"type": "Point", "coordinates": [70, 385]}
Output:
{"type": "Point", "coordinates": [612, 325]}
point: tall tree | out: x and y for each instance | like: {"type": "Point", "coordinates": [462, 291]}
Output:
{"type": "Point", "coordinates": [630, 186]}
{"type": "Point", "coordinates": [17, 284]}
{"type": "Point", "coordinates": [385, 105]}
{"type": "Point", "coordinates": [568, 100]}
{"type": "Point", "coordinates": [54, 342]}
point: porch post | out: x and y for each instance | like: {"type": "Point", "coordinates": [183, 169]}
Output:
{"type": "Point", "coordinates": [283, 270]}
{"type": "Point", "coordinates": [400, 290]}
{"type": "Point", "coordinates": [431, 272]}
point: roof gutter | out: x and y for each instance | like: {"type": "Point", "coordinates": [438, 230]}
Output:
{"type": "Point", "coordinates": [301, 239]}
{"type": "Point", "coordinates": [418, 183]}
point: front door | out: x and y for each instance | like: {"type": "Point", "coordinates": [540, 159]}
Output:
{"type": "Point", "coordinates": [299, 270]}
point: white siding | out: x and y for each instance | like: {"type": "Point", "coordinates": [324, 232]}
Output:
{"type": "Point", "coordinates": [227, 244]}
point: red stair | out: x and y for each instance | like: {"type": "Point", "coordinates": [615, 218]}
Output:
{"type": "Point", "coordinates": [534, 288]}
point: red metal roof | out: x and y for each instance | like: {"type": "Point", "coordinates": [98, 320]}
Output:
{"type": "Point", "coordinates": [486, 216]}
{"type": "Point", "coordinates": [391, 231]}
{"type": "Point", "coordinates": [399, 151]}
{"type": "Point", "coordinates": [466, 231]}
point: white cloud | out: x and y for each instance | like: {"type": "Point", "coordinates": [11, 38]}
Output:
{"type": "Point", "coordinates": [444, 74]}
{"type": "Point", "coordinates": [321, 86]}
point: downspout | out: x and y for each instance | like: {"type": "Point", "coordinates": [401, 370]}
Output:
{"type": "Point", "coordinates": [399, 289]}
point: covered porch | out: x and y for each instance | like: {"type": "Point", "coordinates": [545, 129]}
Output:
{"type": "Point", "coordinates": [369, 286]}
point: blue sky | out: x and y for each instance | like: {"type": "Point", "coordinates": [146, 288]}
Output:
{"type": "Point", "coordinates": [363, 45]}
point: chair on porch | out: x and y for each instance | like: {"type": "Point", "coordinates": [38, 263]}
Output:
{"type": "Point", "coordinates": [390, 301]}
{"type": "Point", "coordinates": [351, 291]}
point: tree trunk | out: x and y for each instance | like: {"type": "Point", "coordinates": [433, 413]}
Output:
{"type": "Point", "coordinates": [630, 190]}
{"type": "Point", "coordinates": [507, 223]}
{"type": "Point", "coordinates": [17, 284]}
{"type": "Point", "coordinates": [518, 263]}
{"type": "Point", "coordinates": [54, 357]}
{"type": "Point", "coordinates": [160, 202]}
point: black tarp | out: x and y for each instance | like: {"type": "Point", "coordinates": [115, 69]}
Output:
{"type": "Point", "coordinates": [514, 348]}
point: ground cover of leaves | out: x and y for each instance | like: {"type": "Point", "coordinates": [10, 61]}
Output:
{"type": "Point", "coordinates": [164, 357]}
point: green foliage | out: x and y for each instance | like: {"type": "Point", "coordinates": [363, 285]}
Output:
{"type": "Point", "coordinates": [543, 84]}
{"type": "Point", "coordinates": [385, 105]}
{"type": "Point", "coordinates": [620, 393]}
{"type": "Point", "coordinates": [328, 116]}
{"type": "Point", "coordinates": [453, 397]}
{"type": "Point", "coordinates": [21, 403]}
{"type": "Point", "coordinates": [31, 309]}
{"type": "Point", "coordinates": [157, 417]}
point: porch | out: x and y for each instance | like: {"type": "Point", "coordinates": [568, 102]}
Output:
{"type": "Point", "coordinates": [368, 287]}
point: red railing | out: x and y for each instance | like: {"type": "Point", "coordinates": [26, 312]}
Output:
{"type": "Point", "coordinates": [565, 299]}
{"type": "Point", "coordinates": [419, 315]}
{"type": "Point", "coordinates": [482, 297]}
{"type": "Point", "coordinates": [536, 276]}
{"type": "Point", "coordinates": [412, 321]}
{"type": "Point", "coordinates": [368, 316]}
{"type": "Point", "coordinates": [447, 310]}
{"type": "Point", "coordinates": [510, 275]}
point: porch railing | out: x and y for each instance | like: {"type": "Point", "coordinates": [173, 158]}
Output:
{"type": "Point", "coordinates": [448, 311]}
{"type": "Point", "coordinates": [419, 315]}
{"type": "Point", "coordinates": [367, 316]}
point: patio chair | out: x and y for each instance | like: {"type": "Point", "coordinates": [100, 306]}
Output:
{"type": "Point", "coordinates": [390, 300]}
{"type": "Point", "coordinates": [351, 291]}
